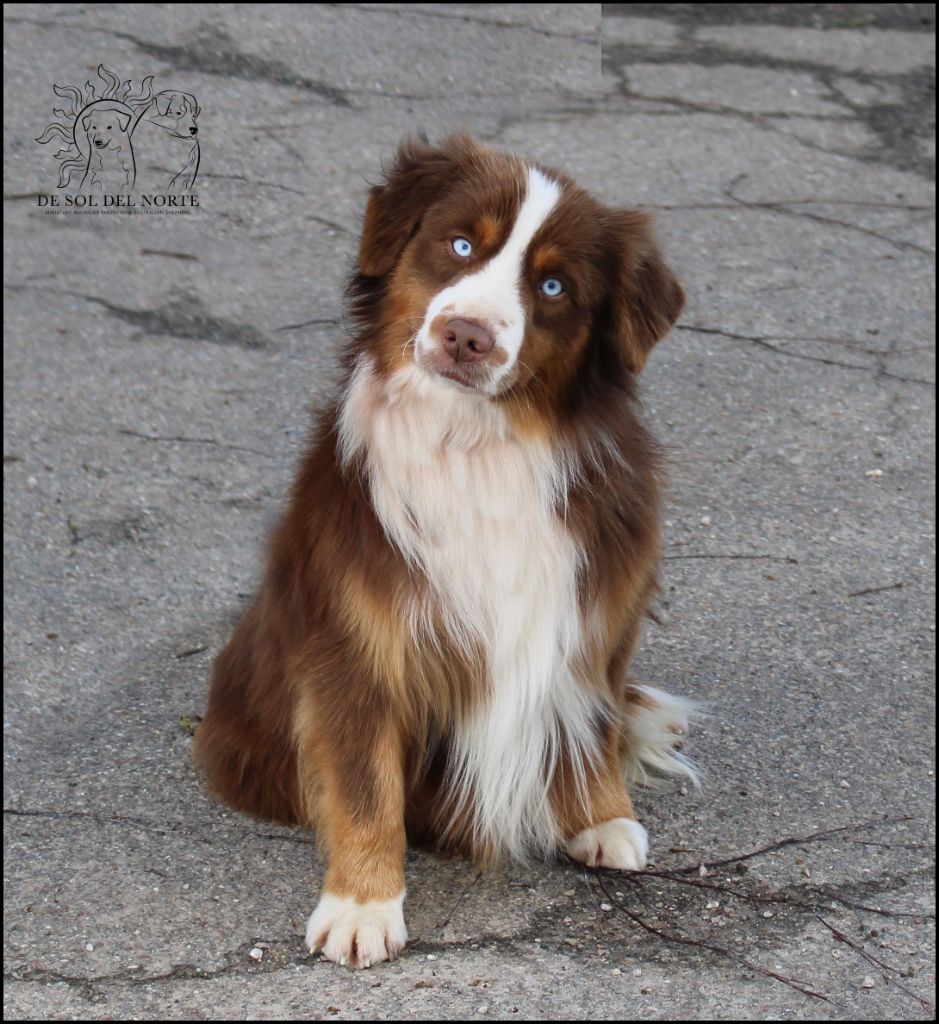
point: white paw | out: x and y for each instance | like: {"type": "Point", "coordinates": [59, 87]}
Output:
{"type": "Point", "coordinates": [357, 934]}
{"type": "Point", "coordinates": [619, 843]}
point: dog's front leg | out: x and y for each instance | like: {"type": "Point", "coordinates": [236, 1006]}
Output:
{"type": "Point", "coordinates": [353, 776]}
{"type": "Point", "coordinates": [595, 813]}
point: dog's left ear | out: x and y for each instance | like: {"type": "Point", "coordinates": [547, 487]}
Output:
{"type": "Point", "coordinates": [395, 208]}
{"type": "Point", "coordinates": [123, 120]}
{"type": "Point", "coordinates": [648, 297]}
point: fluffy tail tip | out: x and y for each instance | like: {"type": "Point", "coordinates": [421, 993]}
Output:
{"type": "Point", "coordinates": [656, 729]}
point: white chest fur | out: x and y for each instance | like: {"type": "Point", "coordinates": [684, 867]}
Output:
{"type": "Point", "coordinates": [474, 509]}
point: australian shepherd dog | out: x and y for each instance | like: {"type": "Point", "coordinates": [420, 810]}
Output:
{"type": "Point", "coordinates": [439, 651]}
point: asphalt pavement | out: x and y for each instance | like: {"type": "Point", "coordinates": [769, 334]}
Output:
{"type": "Point", "coordinates": [161, 366]}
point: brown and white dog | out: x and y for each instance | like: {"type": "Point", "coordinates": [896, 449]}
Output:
{"type": "Point", "coordinates": [439, 649]}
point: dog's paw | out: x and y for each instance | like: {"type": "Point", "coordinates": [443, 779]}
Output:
{"type": "Point", "coordinates": [357, 934]}
{"type": "Point", "coordinates": [619, 843]}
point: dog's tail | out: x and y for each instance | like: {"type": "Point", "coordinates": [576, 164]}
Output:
{"type": "Point", "coordinates": [657, 726]}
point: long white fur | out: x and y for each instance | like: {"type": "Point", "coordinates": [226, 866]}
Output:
{"type": "Point", "coordinates": [492, 294]}
{"type": "Point", "coordinates": [475, 509]}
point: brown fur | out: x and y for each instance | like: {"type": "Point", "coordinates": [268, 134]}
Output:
{"type": "Point", "coordinates": [323, 709]}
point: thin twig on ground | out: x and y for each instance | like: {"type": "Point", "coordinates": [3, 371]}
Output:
{"type": "Point", "coordinates": [877, 962]}
{"type": "Point", "coordinates": [681, 876]}
{"type": "Point", "coordinates": [686, 940]}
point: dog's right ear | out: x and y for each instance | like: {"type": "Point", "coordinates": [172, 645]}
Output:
{"type": "Point", "coordinates": [395, 208]}
{"type": "Point", "coordinates": [86, 120]}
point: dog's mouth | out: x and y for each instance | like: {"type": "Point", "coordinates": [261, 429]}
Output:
{"type": "Point", "coordinates": [465, 376]}
{"type": "Point", "coordinates": [456, 377]}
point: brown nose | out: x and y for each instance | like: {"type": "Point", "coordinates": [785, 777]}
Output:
{"type": "Point", "coordinates": [466, 341]}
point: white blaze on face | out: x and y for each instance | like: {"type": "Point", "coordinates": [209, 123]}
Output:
{"type": "Point", "coordinates": [492, 295]}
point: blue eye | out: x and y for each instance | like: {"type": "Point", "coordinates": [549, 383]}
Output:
{"type": "Point", "coordinates": [552, 287]}
{"type": "Point", "coordinates": [462, 247]}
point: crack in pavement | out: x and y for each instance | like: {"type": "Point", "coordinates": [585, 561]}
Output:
{"type": "Point", "coordinates": [748, 558]}
{"type": "Point", "coordinates": [907, 17]}
{"type": "Point", "coordinates": [773, 203]}
{"type": "Point", "coordinates": [194, 440]}
{"type": "Point", "coordinates": [387, 9]}
{"type": "Point", "coordinates": [237, 962]}
{"type": "Point", "coordinates": [318, 321]}
{"type": "Point", "coordinates": [546, 925]}
{"type": "Point", "coordinates": [764, 121]}
{"type": "Point", "coordinates": [446, 95]}
{"type": "Point", "coordinates": [894, 125]}
{"type": "Point", "coordinates": [765, 343]}
{"type": "Point", "coordinates": [258, 183]}
{"type": "Point", "coordinates": [179, 827]}
{"type": "Point", "coordinates": [212, 53]}
{"type": "Point", "coordinates": [72, 431]}
{"type": "Point", "coordinates": [184, 316]}
{"type": "Point", "coordinates": [789, 211]}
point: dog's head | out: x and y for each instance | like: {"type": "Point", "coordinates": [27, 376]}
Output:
{"type": "Point", "coordinates": [106, 128]}
{"type": "Point", "coordinates": [495, 274]}
{"type": "Point", "coordinates": [176, 112]}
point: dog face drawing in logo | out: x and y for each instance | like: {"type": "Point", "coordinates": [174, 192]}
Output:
{"type": "Point", "coordinates": [110, 155]}
{"type": "Point", "coordinates": [106, 128]}
{"type": "Point", "coordinates": [176, 112]}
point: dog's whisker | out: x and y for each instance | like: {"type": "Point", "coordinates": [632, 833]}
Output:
{"type": "Point", "coordinates": [411, 341]}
